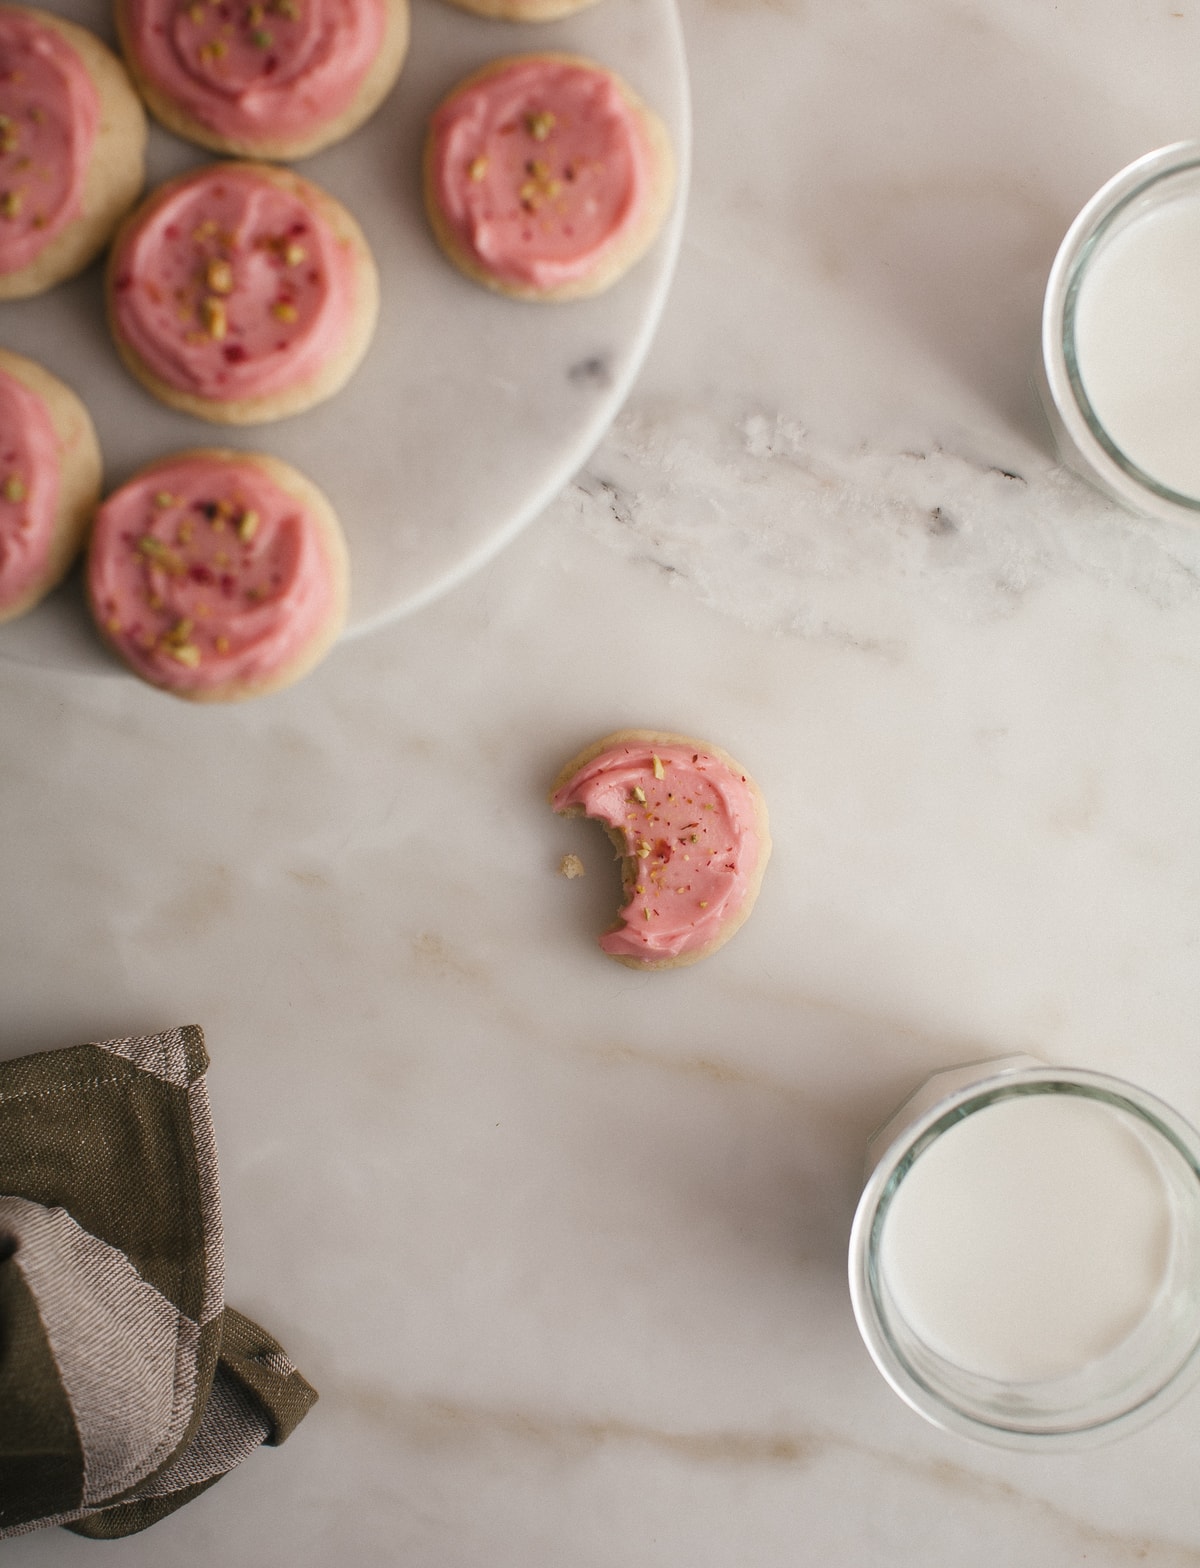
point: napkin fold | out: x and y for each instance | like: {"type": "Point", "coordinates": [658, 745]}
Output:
{"type": "Point", "coordinates": [127, 1386]}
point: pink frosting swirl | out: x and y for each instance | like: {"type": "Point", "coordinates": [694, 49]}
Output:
{"type": "Point", "coordinates": [204, 573]}
{"type": "Point", "coordinates": [255, 71]}
{"type": "Point", "coordinates": [539, 168]}
{"type": "Point", "coordinates": [29, 487]}
{"type": "Point", "coordinates": [228, 285]}
{"type": "Point", "coordinates": [690, 829]}
{"type": "Point", "coordinates": [49, 117]}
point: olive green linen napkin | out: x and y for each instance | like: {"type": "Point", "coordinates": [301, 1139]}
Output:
{"type": "Point", "coordinates": [127, 1386]}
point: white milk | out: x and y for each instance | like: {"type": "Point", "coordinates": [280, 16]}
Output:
{"type": "Point", "coordinates": [1029, 1239]}
{"type": "Point", "coordinates": [1137, 342]}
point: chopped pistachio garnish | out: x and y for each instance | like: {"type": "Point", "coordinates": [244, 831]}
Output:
{"type": "Point", "coordinates": [212, 313]}
{"type": "Point", "coordinates": [219, 276]}
{"type": "Point", "coordinates": [11, 203]}
{"type": "Point", "coordinates": [196, 12]}
{"type": "Point", "coordinates": [179, 634]}
{"type": "Point", "coordinates": [643, 849]}
{"type": "Point", "coordinates": [247, 526]}
{"type": "Point", "coordinates": [294, 253]}
{"type": "Point", "coordinates": [215, 49]}
{"type": "Point", "coordinates": [261, 38]}
{"type": "Point", "coordinates": [254, 15]}
{"type": "Point", "coordinates": [187, 653]}
{"type": "Point", "coordinates": [155, 550]}
{"type": "Point", "coordinates": [113, 624]}
{"type": "Point", "coordinates": [14, 489]}
{"type": "Point", "coordinates": [221, 644]}
{"type": "Point", "coordinates": [477, 169]}
{"type": "Point", "coordinates": [9, 134]}
{"type": "Point", "coordinates": [286, 9]}
{"type": "Point", "coordinates": [656, 764]}
{"type": "Point", "coordinates": [164, 499]}
{"type": "Point", "coordinates": [283, 310]}
{"type": "Point", "coordinates": [539, 125]}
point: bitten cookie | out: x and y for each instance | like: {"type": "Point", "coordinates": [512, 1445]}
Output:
{"type": "Point", "coordinates": [72, 149]}
{"type": "Point", "coordinates": [278, 79]}
{"type": "Point", "coordinates": [217, 575]}
{"type": "Point", "coordinates": [50, 476]}
{"type": "Point", "coordinates": [241, 293]}
{"type": "Point", "coordinates": [691, 828]}
{"type": "Point", "coordinates": [546, 178]}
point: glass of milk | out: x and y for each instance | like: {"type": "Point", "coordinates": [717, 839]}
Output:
{"type": "Point", "coordinates": [1025, 1259]}
{"type": "Point", "coordinates": [1121, 337]}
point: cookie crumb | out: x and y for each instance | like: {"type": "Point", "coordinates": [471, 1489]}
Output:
{"type": "Point", "coordinates": [570, 866]}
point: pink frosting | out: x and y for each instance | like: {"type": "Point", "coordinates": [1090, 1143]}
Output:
{"type": "Point", "coordinates": [204, 573]}
{"type": "Point", "coordinates": [228, 286]}
{"type": "Point", "coordinates": [691, 831]}
{"type": "Point", "coordinates": [254, 72]}
{"type": "Point", "coordinates": [29, 483]}
{"type": "Point", "coordinates": [49, 116]}
{"type": "Point", "coordinates": [539, 169]}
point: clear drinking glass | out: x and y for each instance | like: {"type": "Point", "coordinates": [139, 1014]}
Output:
{"type": "Point", "coordinates": [1074, 1406]}
{"type": "Point", "coordinates": [1143, 190]}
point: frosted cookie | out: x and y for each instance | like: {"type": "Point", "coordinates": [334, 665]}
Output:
{"type": "Point", "coordinates": [691, 828]}
{"type": "Point", "coordinates": [522, 10]}
{"type": "Point", "coordinates": [50, 474]}
{"type": "Point", "coordinates": [72, 147]}
{"type": "Point", "coordinates": [545, 177]}
{"type": "Point", "coordinates": [278, 79]}
{"type": "Point", "coordinates": [241, 293]}
{"type": "Point", "coordinates": [217, 575]}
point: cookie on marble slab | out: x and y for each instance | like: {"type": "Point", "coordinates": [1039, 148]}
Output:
{"type": "Point", "coordinates": [276, 79]}
{"type": "Point", "coordinates": [241, 293]}
{"type": "Point", "coordinates": [50, 479]}
{"type": "Point", "coordinates": [546, 177]}
{"type": "Point", "coordinates": [690, 826]}
{"type": "Point", "coordinates": [522, 10]}
{"type": "Point", "coordinates": [72, 149]}
{"type": "Point", "coordinates": [217, 575]}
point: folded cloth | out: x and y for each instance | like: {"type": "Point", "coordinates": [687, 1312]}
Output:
{"type": "Point", "coordinates": [127, 1386]}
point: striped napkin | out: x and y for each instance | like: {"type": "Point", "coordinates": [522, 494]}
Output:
{"type": "Point", "coordinates": [127, 1386]}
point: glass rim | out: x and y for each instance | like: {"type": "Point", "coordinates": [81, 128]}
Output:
{"type": "Point", "coordinates": [1108, 464]}
{"type": "Point", "coordinates": [910, 1141]}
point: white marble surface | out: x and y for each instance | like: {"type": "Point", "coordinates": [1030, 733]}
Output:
{"type": "Point", "coordinates": [563, 1245]}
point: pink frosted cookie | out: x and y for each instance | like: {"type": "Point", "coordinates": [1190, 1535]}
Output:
{"type": "Point", "coordinates": [279, 79]}
{"type": "Point", "coordinates": [241, 293]}
{"type": "Point", "coordinates": [545, 177]}
{"type": "Point", "coordinates": [691, 828]}
{"type": "Point", "coordinates": [50, 476]}
{"type": "Point", "coordinates": [72, 145]}
{"type": "Point", "coordinates": [217, 575]}
{"type": "Point", "coordinates": [522, 10]}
